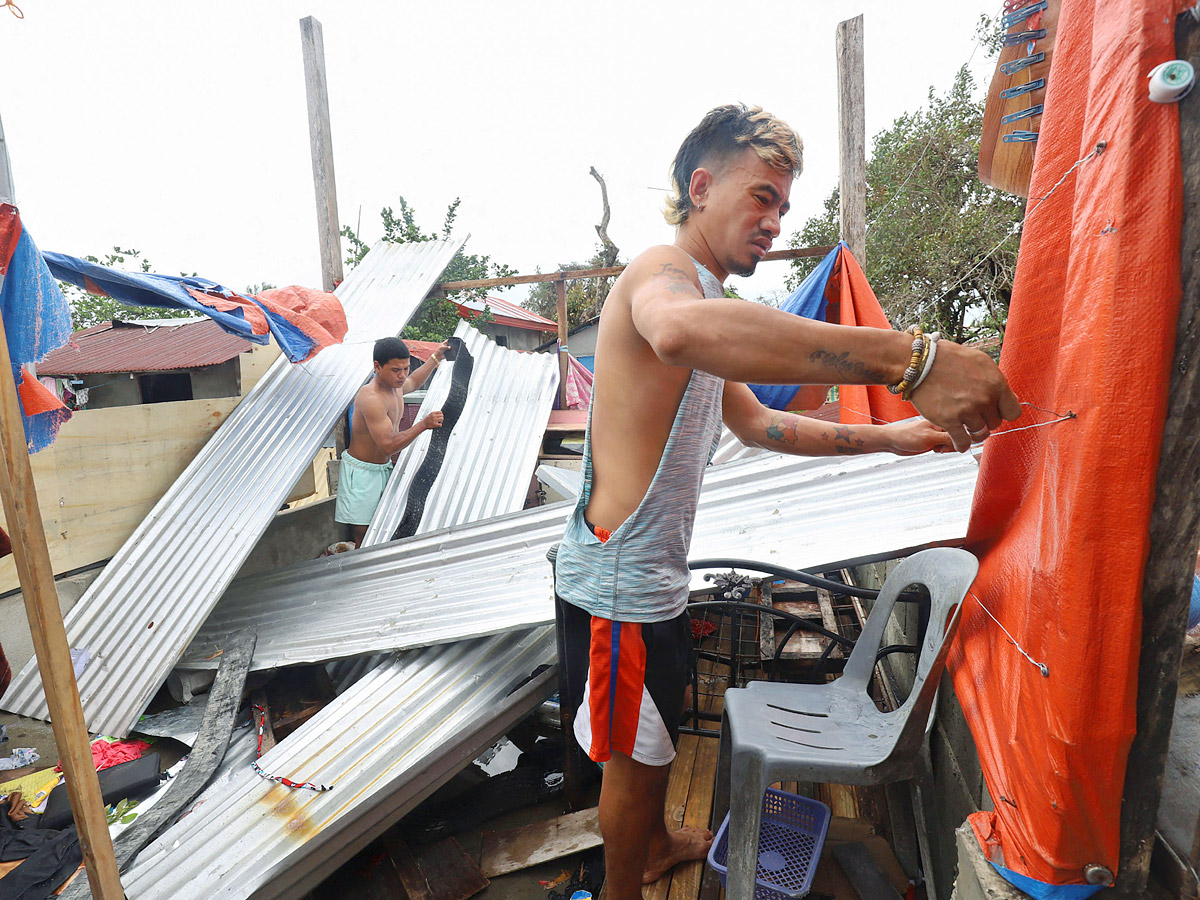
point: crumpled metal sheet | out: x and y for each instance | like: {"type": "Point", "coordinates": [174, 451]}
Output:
{"type": "Point", "coordinates": [397, 734]}
{"type": "Point", "coordinates": [490, 576]}
{"type": "Point", "coordinates": [148, 603]}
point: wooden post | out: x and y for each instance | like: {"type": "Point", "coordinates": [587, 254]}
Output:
{"type": "Point", "coordinates": [1174, 528]}
{"type": "Point", "coordinates": [852, 138]}
{"type": "Point", "coordinates": [24, 517]}
{"type": "Point", "coordinates": [6, 187]}
{"type": "Point", "coordinates": [561, 285]}
{"type": "Point", "coordinates": [321, 141]}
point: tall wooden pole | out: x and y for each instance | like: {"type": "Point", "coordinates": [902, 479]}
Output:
{"type": "Point", "coordinates": [1174, 528]}
{"type": "Point", "coordinates": [561, 286]}
{"type": "Point", "coordinates": [852, 138]}
{"type": "Point", "coordinates": [321, 140]}
{"type": "Point", "coordinates": [24, 518]}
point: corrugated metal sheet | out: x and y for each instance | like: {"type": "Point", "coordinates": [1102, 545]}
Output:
{"type": "Point", "coordinates": [403, 729]}
{"type": "Point", "coordinates": [560, 483]}
{"type": "Point", "coordinates": [506, 313]}
{"type": "Point", "coordinates": [493, 449]}
{"type": "Point", "coordinates": [484, 578]}
{"type": "Point", "coordinates": [124, 347]}
{"type": "Point", "coordinates": [150, 600]}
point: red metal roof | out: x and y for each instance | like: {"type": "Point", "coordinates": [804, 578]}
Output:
{"type": "Point", "coordinates": [507, 313]}
{"type": "Point", "coordinates": [143, 347]}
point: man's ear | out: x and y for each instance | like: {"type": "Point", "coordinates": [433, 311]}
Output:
{"type": "Point", "coordinates": [699, 186]}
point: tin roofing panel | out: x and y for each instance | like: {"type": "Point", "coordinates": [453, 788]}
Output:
{"type": "Point", "coordinates": [490, 576]}
{"type": "Point", "coordinates": [166, 345]}
{"type": "Point", "coordinates": [150, 600]}
{"type": "Point", "coordinates": [492, 451]}
{"type": "Point", "coordinates": [391, 739]}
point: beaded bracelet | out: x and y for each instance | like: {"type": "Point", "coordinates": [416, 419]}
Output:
{"type": "Point", "coordinates": [927, 367]}
{"type": "Point", "coordinates": [920, 350]}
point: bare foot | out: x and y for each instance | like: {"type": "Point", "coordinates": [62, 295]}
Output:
{"type": "Point", "coordinates": [684, 844]}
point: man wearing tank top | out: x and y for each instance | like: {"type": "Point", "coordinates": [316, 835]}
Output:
{"type": "Point", "coordinates": [671, 339]}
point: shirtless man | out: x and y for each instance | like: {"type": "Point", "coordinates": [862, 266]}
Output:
{"type": "Point", "coordinates": [366, 464]}
{"type": "Point", "coordinates": [621, 571]}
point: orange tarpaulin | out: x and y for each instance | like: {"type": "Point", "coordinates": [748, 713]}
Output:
{"type": "Point", "coordinates": [1061, 512]}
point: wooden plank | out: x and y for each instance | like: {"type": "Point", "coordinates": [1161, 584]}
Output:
{"type": "Point", "coordinates": [1174, 528]}
{"type": "Point", "coordinates": [688, 876]}
{"type": "Point", "coordinates": [509, 851]}
{"type": "Point", "coordinates": [1010, 166]}
{"type": "Point", "coordinates": [852, 138]}
{"type": "Point", "coordinates": [449, 872]}
{"type": "Point", "coordinates": [32, 558]}
{"type": "Point", "coordinates": [320, 137]}
{"type": "Point", "coordinates": [608, 272]}
{"type": "Point", "coordinates": [677, 807]}
{"type": "Point", "coordinates": [561, 307]}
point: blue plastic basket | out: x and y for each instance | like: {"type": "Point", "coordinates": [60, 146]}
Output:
{"type": "Point", "coordinates": [790, 838]}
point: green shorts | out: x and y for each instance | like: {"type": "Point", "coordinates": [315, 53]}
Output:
{"type": "Point", "coordinates": [360, 485]}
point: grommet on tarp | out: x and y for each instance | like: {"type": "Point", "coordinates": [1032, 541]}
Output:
{"type": "Point", "coordinates": [1171, 81]}
{"type": "Point", "coordinates": [1020, 15]}
{"type": "Point", "coordinates": [1012, 68]}
{"type": "Point", "coordinates": [1018, 36]}
{"type": "Point", "coordinates": [1097, 874]}
{"type": "Point", "coordinates": [1020, 137]}
{"type": "Point", "coordinates": [1023, 114]}
{"type": "Point", "coordinates": [1009, 93]}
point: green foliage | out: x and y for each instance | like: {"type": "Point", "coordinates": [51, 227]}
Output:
{"type": "Point", "coordinates": [585, 296]}
{"type": "Point", "coordinates": [932, 224]}
{"type": "Point", "coordinates": [123, 812]}
{"type": "Point", "coordinates": [437, 316]}
{"type": "Point", "coordinates": [88, 309]}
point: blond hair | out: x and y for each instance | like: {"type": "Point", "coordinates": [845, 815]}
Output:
{"type": "Point", "coordinates": [723, 132]}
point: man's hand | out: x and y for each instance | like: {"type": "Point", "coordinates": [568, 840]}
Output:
{"type": "Point", "coordinates": [433, 420]}
{"type": "Point", "coordinates": [913, 436]}
{"type": "Point", "coordinates": [440, 350]}
{"type": "Point", "coordinates": [966, 394]}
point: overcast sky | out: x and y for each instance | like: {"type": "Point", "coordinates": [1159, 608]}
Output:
{"type": "Point", "coordinates": [180, 129]}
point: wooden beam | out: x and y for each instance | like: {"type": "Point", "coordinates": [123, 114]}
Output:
{"type": "Point", "coordinates": [1174, 528]}
{"type": "Point", "coordinates": [852, 138]}
{"type": "Point", "coordinates": [321, 142]}
{"type": "Point", "coordinates": [50, 639]}
{"type": "Point", "coordinates": [572, 275]}
{"type": "Point", "coordinates": [561, 287]}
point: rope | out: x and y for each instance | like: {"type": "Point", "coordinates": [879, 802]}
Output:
{"type": "Point", "coordinates": [14, 9]}
{"type": "Point", "coordinates": [1061, 417]}
{"type": "Point", "coordinates": [1042, 667]}
{"type": "Point", "coordinates": [286, 782]}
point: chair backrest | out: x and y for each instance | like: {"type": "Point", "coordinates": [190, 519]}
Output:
{"type": "Point", "coordinates": [947, 574]}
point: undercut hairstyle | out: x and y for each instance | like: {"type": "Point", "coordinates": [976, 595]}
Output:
{"type": "Point", "coordinates": [722, 133]}
{"type": "Point", "coordinates": [389, 348]}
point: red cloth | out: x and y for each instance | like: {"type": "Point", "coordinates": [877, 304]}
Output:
{"type": "Point", "coordinates": [106, 754]}
{"type": "Point", "coordinates": [10, 233]}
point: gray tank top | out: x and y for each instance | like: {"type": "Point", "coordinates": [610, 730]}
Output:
{"type": "Point", "coordinates": [640, 574]}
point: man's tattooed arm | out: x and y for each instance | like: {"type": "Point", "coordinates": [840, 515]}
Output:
{"type": "Point", "coordinates": [786, 432]}
{"type": "Point", "coordinates": [848, 368]}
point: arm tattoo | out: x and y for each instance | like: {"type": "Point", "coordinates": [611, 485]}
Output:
{"type": "Point", "coordinates": [843, 365]}
{"type": "Point", "coordinates": [678, 281]}
{"type": "Point", "coordinates": [782, 430]}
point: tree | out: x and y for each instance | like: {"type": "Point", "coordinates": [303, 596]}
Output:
{"type": "Point", "coordinates": [941, 245]}
{"type": "Point", "coordinates": [585, 296]}
{"type": "Point", "coordinates": [437, 316]}
{"type": "Point", "coordinates": [89, 309]}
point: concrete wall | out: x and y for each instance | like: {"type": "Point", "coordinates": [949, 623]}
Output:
{"type": "Point", "coordinates": [518, 338]}
{"type": "Point", "coordinates": [112, 389]}
{"type": "Point", "coordinates": [221, 380]}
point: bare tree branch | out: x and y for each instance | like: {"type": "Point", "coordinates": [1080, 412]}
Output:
{"type": "Point", "coordinates": [609, 254]}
